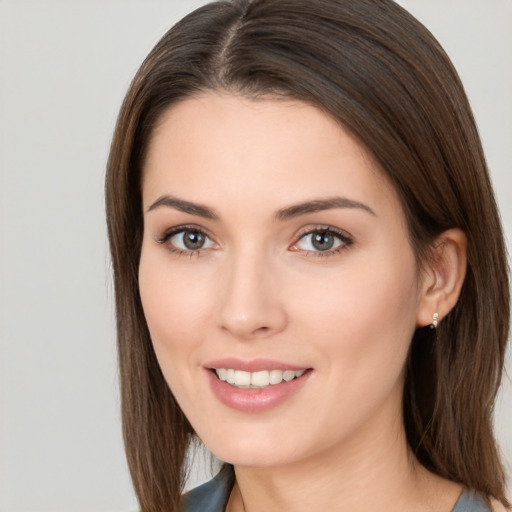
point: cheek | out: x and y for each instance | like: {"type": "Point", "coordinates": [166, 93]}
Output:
{"type": "Point", "coordinates": [175, 312]}
{"type": "Point", "coordinates": [362, 324]}
{"type": "Point", "coordinates": [175, 308]}
{"type": "Point", "coordinates": [363, 319]}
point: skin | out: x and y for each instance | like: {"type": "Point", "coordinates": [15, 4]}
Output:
{"type": "Point", "coordinates": [259, 289]}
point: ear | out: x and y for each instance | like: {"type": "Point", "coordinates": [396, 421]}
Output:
{"type": "Point", "coordinates": [443, 277]}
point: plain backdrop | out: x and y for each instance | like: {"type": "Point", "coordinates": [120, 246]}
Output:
{"type": "Point", "coordinates": [64, 68]}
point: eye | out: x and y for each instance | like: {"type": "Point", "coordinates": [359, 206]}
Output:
{"type": "Point", "coordinates": [324, 240]}
{"type": "Point", "coordinates": [187, 239]}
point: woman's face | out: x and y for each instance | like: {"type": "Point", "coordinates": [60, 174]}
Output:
{"type": "Point", "coordinates": [275, 249]}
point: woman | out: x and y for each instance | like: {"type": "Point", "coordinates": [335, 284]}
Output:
{"type": "Point", "coordinates": [309, 266]}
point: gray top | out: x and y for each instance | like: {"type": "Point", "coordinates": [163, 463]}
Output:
{"type": "Point", "coordinates": [213, 496]}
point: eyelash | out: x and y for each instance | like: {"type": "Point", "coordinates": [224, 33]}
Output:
{"type": "Point", "coordinates": [167, 235]}
{"type": "Point", "coordinates": [346, 241]}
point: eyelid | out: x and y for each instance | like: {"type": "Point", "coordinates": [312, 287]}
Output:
{"type": "Point", "coordinates": [346, 239]}
{"type": "Point", "coordinates": [167, 234]}
{"type": "Point", "coordinates": [170, 232]}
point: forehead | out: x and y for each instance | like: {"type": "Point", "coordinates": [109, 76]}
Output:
{"type": "Point", "coordinates": [239, 147]}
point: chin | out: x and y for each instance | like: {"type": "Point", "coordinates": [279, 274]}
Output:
{"type": "Point", "coordinates": [253, 458]}
{"type": "Point", "coordinates": [253, 451]}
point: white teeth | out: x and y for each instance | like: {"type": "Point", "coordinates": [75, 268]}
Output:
{"type": "Point", "coordinates": [259, 379]}
{"type": "Point", "coordinates": [288, 375]}
{"type": "Point", "coordinates": [222, 373]}
{"type": "Point", "coordinates": [230, 376]}
{"type": "Point", "coordinates": [276, 376]}
{"type": "Point", "coordinates": [242, 378]}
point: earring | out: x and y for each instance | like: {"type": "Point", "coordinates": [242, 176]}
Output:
{"type": "Point", "coordinates": [434, 323]}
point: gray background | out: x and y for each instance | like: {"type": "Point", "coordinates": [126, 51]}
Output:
{"type": "Point", "coordinates": [64, 67]}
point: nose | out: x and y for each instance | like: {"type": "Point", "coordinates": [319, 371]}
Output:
{"type": "Point", "coordinates": [250, 298]}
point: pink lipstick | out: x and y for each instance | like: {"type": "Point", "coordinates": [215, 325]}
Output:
{"type": "Point", "coordinates": [257, 385]}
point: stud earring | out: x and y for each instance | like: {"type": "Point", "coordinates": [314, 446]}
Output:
{"type": "Point", "coordinates": [434, 323]}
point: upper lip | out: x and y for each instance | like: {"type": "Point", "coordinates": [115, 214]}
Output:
{"type": "Point", "coordinates": [254, 365]}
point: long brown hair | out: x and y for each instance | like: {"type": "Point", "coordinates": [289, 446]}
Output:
{"type": "Point", "coordinates": [379, 72]}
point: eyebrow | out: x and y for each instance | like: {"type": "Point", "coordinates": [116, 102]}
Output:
{"type": "Point", "coordinates": [184, 206]}
{"type": "Point", "coordinates": [287, 213]}
{"type": "Point", "coordinates": [320, 205]}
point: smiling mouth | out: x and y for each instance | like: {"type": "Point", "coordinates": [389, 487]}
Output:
{"type": "Point", "coordinates": [256, 380]}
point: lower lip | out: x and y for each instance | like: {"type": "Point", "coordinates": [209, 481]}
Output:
{"type": "Point", "coordinates": [255, 400]}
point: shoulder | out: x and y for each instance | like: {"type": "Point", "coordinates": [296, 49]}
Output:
{"type": "Point", "coordinates": [472, 501]}
{"type": "Point", "coordinates": [212, 496]}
